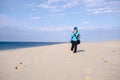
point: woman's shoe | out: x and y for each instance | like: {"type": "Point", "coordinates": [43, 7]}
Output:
{"type": "Point", "coordinates": [74, 52]}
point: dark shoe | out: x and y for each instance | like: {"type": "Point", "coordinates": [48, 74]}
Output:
{"type": "Point", "coordinates": [74, 52]}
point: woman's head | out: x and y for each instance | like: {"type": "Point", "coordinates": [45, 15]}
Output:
{"type": "Point", "coordinates": [75, 30]}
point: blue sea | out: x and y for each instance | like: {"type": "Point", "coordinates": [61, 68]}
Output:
{"type": "Point", "coordinates": [17, 45]}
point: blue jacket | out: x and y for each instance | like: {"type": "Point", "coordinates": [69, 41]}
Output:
{"type": "Point", "coordinates": [73, 38]}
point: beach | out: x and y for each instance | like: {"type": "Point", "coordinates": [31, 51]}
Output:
{"type": "Point", "coordinates": [93, 61]}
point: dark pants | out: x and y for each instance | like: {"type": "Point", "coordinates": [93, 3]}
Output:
{"type": "Point", "coordinates": [74, 46]}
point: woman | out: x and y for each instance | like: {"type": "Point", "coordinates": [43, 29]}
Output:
{"type": "Point", "coordinates": [75, 39]}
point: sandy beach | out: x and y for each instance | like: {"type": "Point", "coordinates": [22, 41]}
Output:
{"type": "Point", "coordinates": [93, 61]}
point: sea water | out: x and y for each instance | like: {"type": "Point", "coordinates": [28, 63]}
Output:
{"type": "Point", "coordinates": [16, 45]}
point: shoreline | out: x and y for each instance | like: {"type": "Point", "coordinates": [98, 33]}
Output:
{"type": "Point", "coordinates": [56, 43]}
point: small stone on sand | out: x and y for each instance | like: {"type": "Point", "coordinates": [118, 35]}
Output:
{"type": "Point", "coordinates": [21, 63]}
{"type": "Point", "coordinates": [113, 51]}
{"type": "Point", "coordinates": [16, 67]}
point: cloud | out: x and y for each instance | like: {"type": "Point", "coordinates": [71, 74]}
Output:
{"type": "Point", "coordinates": [37, 29]}
{"type": "Point", "coordinates": [90, 6]}
{"type": "Point", "coordinates": [58, 14]}
{"type": "Point", "coordinates": [102, 6]}
{"type": "Point", "coordinates": [49, 4]}
{"type": "Point", "coordinates": [53, 1]}
{"type": "Point", "coordinates": [10, 28]}
{"type": "Point", "coordinates": [7, 23]}
{"type": "Point", "coordinates": [85, 22]}
{"type": "Point", "coordinates": [92, 28]}
{"type": "Point", "coordinates": [46, 6]}
{"type": "Point", "coordinates": [66, 28]}
{"type": "Point", "coordinates": [49, 29]}
{"type": "Point", "coordinates": [35, 17]}
{"type": "Point", "coordinates": [102, 10]}
{"type": "Point", "coordinates": [58, 5]}
{"type": "Point", "coordinates": [71, 4]}
{"type": "Point", "coordinates": [93, 3]}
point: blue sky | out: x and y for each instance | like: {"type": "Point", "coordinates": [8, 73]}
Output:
{"type": "Point", "coordinates": [53, 20]}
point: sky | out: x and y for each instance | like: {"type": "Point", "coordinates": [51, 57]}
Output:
{"type": "Point", "coordinates": [53, 20]}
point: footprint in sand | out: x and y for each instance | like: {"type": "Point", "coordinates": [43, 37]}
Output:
{"type": "Point", "coordinates": [103, 60]}
{"type": "Point", "coordinates": [34, 58]}
{"type": "Point", "coordinates": [19, 66]}
{"type": "Point", "coordinates": [87, 78]}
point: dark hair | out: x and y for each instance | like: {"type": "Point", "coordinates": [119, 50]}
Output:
{"type": "Point", "coordinates": [75, 28]}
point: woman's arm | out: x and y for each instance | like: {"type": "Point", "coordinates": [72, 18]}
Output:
{"type": "Point", "coordinates": [78, 36]}
{"type": "Point", "coordinates": [71, 37]}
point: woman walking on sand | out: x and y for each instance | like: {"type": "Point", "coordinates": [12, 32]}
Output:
{"type": "Point", "coordinates": [74, 38]}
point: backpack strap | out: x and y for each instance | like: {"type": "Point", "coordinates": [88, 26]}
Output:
{"type": "Point", "coordinates": [76, 36]}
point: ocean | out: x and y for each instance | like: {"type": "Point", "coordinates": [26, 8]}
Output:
{"type": "Point", "coordinates": [17, 45]}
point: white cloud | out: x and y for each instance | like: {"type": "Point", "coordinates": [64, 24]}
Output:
{"type": "Point", "coordinates": [58, 14]}
{"type": "Point", "coordinates": [98, 28]}
{"type": "Point", "coordinates": [58, 5]}
{"type": "Point", "coordinates": [103, 10]}
{"type": "Point", "coordinates": [96, 12]}
{"type": "Point", "coordinates": [102, 6]}
{"type": "Point", "coordinates": [53, 29]}
{"type": "Point", "coordinates": [91, 6]}
{"type": "Point", "coordinates": [66, 28]}
{"type": "Point", "coordinates": [53, 1]}
{"type": "Point", "coordinates": [35, 17]}
{"type": "Point", "coordinates": [93, 3]}
{"type": "Point", "coordinates": [46, 6]}
{"type": "Point", "coordinates": [48, 29]}
{"type": "Point", "coordinates": [71, 4]}
{"type": "Point", "coordinates": [85, 22]}
{"type": "Point", "coordinates": [49, 4]}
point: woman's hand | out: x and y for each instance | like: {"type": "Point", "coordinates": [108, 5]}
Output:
{"type": "Point", "coordinates": [78, 36]}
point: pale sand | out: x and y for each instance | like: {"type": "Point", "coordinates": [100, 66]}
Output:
{"type": "Point", "coordinates": [93, 61]}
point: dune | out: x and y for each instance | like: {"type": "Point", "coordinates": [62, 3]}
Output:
{"type": "Point", "coordinates": [93, 61]}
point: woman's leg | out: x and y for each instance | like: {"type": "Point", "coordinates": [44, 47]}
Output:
{"type": "Point", "coordinates": [75, 45]}
{"type": "Point", "coordinates": [72, 46]}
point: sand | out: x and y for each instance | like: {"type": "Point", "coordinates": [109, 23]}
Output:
{"type": "Point", "coordinates": [93, 61]}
